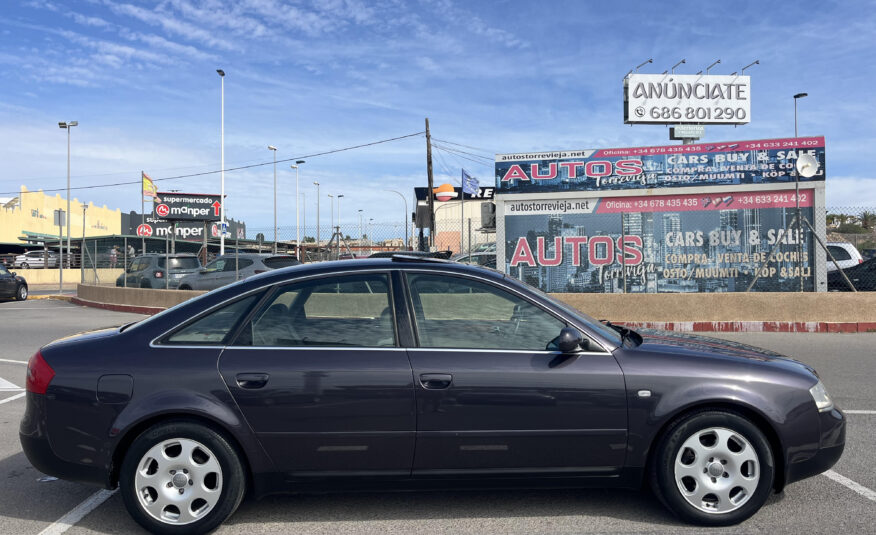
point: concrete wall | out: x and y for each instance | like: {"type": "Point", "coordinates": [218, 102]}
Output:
{"type": "Point", "coordinates": [765, 306]}
{"type": "Point", "coordinates": [136, 297]}
{"type": "Point", "coordinates": [50, 276]}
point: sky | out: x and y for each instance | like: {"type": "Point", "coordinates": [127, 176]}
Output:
{"type": "Point", "coordinates": [313, 76]}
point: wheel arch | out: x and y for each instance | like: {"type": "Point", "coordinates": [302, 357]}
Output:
{"type": "Point", "coordinates": [742, 409]}
{"type": "Point", "coordinates": [131, 434]}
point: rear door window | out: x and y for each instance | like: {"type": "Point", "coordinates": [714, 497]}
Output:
{"type": "Point", "coordinates": [343, 311]}
{"type": "Point", "coordinates": [185, 262]}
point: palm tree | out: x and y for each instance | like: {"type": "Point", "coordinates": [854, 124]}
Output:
{"type": "Point", "coordinates": [868, 219]}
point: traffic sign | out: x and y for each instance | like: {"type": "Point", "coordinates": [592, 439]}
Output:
{"type": "Point", "coordinates": [144, 230]}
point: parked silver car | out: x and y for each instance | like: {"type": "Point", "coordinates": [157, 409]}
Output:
{"type": "Point", "coordinates": [151, 270]}
{"type": "Point", "coordinates": [36, 259]}
{"type": "Point", "coordinates": [230, 268]}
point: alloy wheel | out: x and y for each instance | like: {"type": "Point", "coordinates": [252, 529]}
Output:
{"type": "Point", "coordinates": [717, 470]}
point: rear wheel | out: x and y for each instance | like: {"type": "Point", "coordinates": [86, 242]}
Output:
{"type": "Point", "coordinates": [181, 477]}
{"type": "Point", "coordinates": [145, 284]}
{"type": "Point", "coordinates": [713, 468]}
{"type": "Point", "coordinates": [21, 293]}
{"type": "Point", "coordinates": [24, 265]}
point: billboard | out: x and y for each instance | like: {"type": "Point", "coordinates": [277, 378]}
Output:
{"type": "Point", "coordinates": [187, 206]}
{"type": "Point", "coordinates": [698, 242]}
{"type": "Point", "coordinates": [687, 98]}
{"type": "Point", "coordinates": [768, 161]}
{"type": "Point", "coordinates": [156, 227]}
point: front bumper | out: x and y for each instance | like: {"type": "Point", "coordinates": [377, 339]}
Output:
{"type": "Point", "coordinates": [832, 442]}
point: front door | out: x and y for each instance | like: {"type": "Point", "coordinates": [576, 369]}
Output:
{"type": "Point", "coordinates": [322, 381]}
{"type": "Point", "coordinates": [494, 397]}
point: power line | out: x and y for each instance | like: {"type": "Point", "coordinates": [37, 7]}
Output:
{"type": "Point", "coordinates": [456, 155]}
{"type": "Point", "coordinates": [466, 146]}
{"type": "Point", "coordinates": [218, 171]}
{"type": "Point", "coordinates": [457, 151]}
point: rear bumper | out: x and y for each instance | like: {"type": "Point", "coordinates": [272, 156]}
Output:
{"type": "Point", "coordinates": [830, 449]}
{"type": "Point", "coordinates": [35, 443]}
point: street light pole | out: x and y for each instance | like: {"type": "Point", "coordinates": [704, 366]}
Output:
{"type": "Point", "coordinates": [405, 218]}
{"type": "Point", "coordinates": [274, 150]}
{"type": "Point", "coordinates": [67, 126]}
{"type": "Point", "coordinates": [318, 253]}
{"type": "Point", "coordinates": [222, 164]}
{"type": "Point", "coordinates": [360, 229]}
{"type": "Point", "coordinates": [332, 218]}
{"type": "Point", "coordinates": [297, 211]}
{"type": "Point", "coordinates": [797, 196]}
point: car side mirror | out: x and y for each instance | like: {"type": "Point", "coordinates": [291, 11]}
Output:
{"type": "Point", "coordinates": [570, 340]}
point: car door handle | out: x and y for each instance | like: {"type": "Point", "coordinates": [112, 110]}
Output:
{"type": "Point", "coordinates": [252, 380]}
{"type": "Point", "coordinates": [435, 381]}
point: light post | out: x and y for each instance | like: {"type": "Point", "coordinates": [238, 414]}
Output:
{"type": "Point", "coordinates": [339, 220]}
{"type": "Point", "coordinates": [297, 226]}
{"type": "Point", "coordinates": [318, 250]}
{"type": "Point", "coordinates": [274, 150]}
{"type": "Point", "coordinates": [332, 212]}
{"type": "Point", "coordinates": [405, 218]}
{"type": "Point", "coordinates": [82, 248]}
{"type": "Point", "coordinates": [360, 229]}
{"type": "Point", "coordinates": [370, 237]}
{"type": "Point", "coordinates": [302, 197]}
{"type": "Point", "coordinates": [222, 164]}
{"type": "Point", "coordinates": [797, 195]}
{"type": "Point", "coordinates": [67, 126]}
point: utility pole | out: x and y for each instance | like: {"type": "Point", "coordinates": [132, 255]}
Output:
{"type": "Point", "coordinates": [431, 184]}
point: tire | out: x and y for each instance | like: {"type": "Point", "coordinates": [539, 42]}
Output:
{"type": "Point", "coordinates": [181, 477]}
{"type": "Point", "coordinates": [21, 293]}
{"type": "Point", "coordinates": [24, 265]}
{"type": "Point", "coordinates": [145, 284]}
{"type": "Point", "coordinates": [185, 287]}
{"type": "Point", "coordinates": [695, 448]}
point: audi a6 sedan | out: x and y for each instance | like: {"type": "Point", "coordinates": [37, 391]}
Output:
{"type": "Point", "coordinates": [407, 373]}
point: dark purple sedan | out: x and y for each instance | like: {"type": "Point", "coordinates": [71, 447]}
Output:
{"type": "Point", "coordinates": [408, 373]}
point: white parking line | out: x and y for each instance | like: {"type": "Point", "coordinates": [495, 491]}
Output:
{"type": "Point", "coordinates": [78, 513]}
{"type": "Point", "coordinates": [848, 483]}
{"type": "Point", "coordinates": [859, 412]}
{"type": "Point", "coordinates": [14, 361]}
{"type": "Point", "coordinates": [13, 398]}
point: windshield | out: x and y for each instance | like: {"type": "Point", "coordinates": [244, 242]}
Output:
{"type": "Point", "coordinates": [596, 325]}
{"type": "Point", "coordinates": [186, 262]}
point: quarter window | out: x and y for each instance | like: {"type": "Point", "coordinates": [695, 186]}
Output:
{"type": "Point", "coordinates": [455, 312]}
{"type": "Point", "coordinates": [346, 311]}
{"type": "Point", "coordinates": [839, 253]}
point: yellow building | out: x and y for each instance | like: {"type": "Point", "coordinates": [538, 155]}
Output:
{"type": "Point", "coordinates": [30, 215]}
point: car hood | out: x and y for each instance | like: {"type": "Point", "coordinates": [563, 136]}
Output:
{"type": "Point", "coordinates": [657, 341]}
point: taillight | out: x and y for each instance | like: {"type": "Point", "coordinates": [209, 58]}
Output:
{"type": "Point", "coordinates": [860, 260]}
{"type": "Point", "coordinates": [159, 274]}
{"type": "Point", "coordinates": [39, 374]}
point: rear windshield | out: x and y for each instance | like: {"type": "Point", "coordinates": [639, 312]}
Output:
{"type": "Point", "coordinates": [277, 262]}
{"type": "Point", "coordinates": [187, 262]}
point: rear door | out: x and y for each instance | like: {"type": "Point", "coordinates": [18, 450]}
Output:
{"type": "Point", "coordinates": [8, 284]}
{"type": "Point", "coordinates": [494, 396]}
{"type": "Point", "coordinates": [322, 381]}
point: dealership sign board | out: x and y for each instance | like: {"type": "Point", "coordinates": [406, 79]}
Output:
{"type": "Point", "coordinates": [188, 206]}
{"type": "Point", "coordinates": [769, 161]}
{"type": "Point", "coordinates": [687, 98]}
{"type": "Point", "coordinates": [685, 218]}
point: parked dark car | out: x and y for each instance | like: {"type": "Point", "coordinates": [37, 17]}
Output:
{"type": "Point", "coordinates": [862, 276]}
{"type": "Point", "coordinates": [12, 286]}
{"type": "Point", "coordinates": [409, 373]}
{"type": "Point", "coordinates": [233, 267]}
{"type": "Point", "coordinates": [7, 259]}
{"type": "Point", "coordinates": [152, 270]}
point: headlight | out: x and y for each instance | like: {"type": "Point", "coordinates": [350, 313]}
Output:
{"type": "Point", "coordinates": [822, 400]}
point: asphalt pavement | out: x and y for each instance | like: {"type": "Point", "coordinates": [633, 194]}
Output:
{"type": "Point", "coordinates": [31, 503]}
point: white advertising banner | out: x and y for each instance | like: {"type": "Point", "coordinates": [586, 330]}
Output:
{"type": "Point", "coordinates": [687, 99]}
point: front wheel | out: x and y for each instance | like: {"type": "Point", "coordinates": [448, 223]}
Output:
{"type": "Point", "coordinates": [24, 265]}
{"type": "Point", "coordinates": [713, 468]}
{"type": "Point", "coordinates": [181, 477]}
{"type": "Point", "coordinates": [21, 293]}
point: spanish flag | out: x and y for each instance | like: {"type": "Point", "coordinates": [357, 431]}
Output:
{"type": "Point", "coordinates": [149, 189]}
